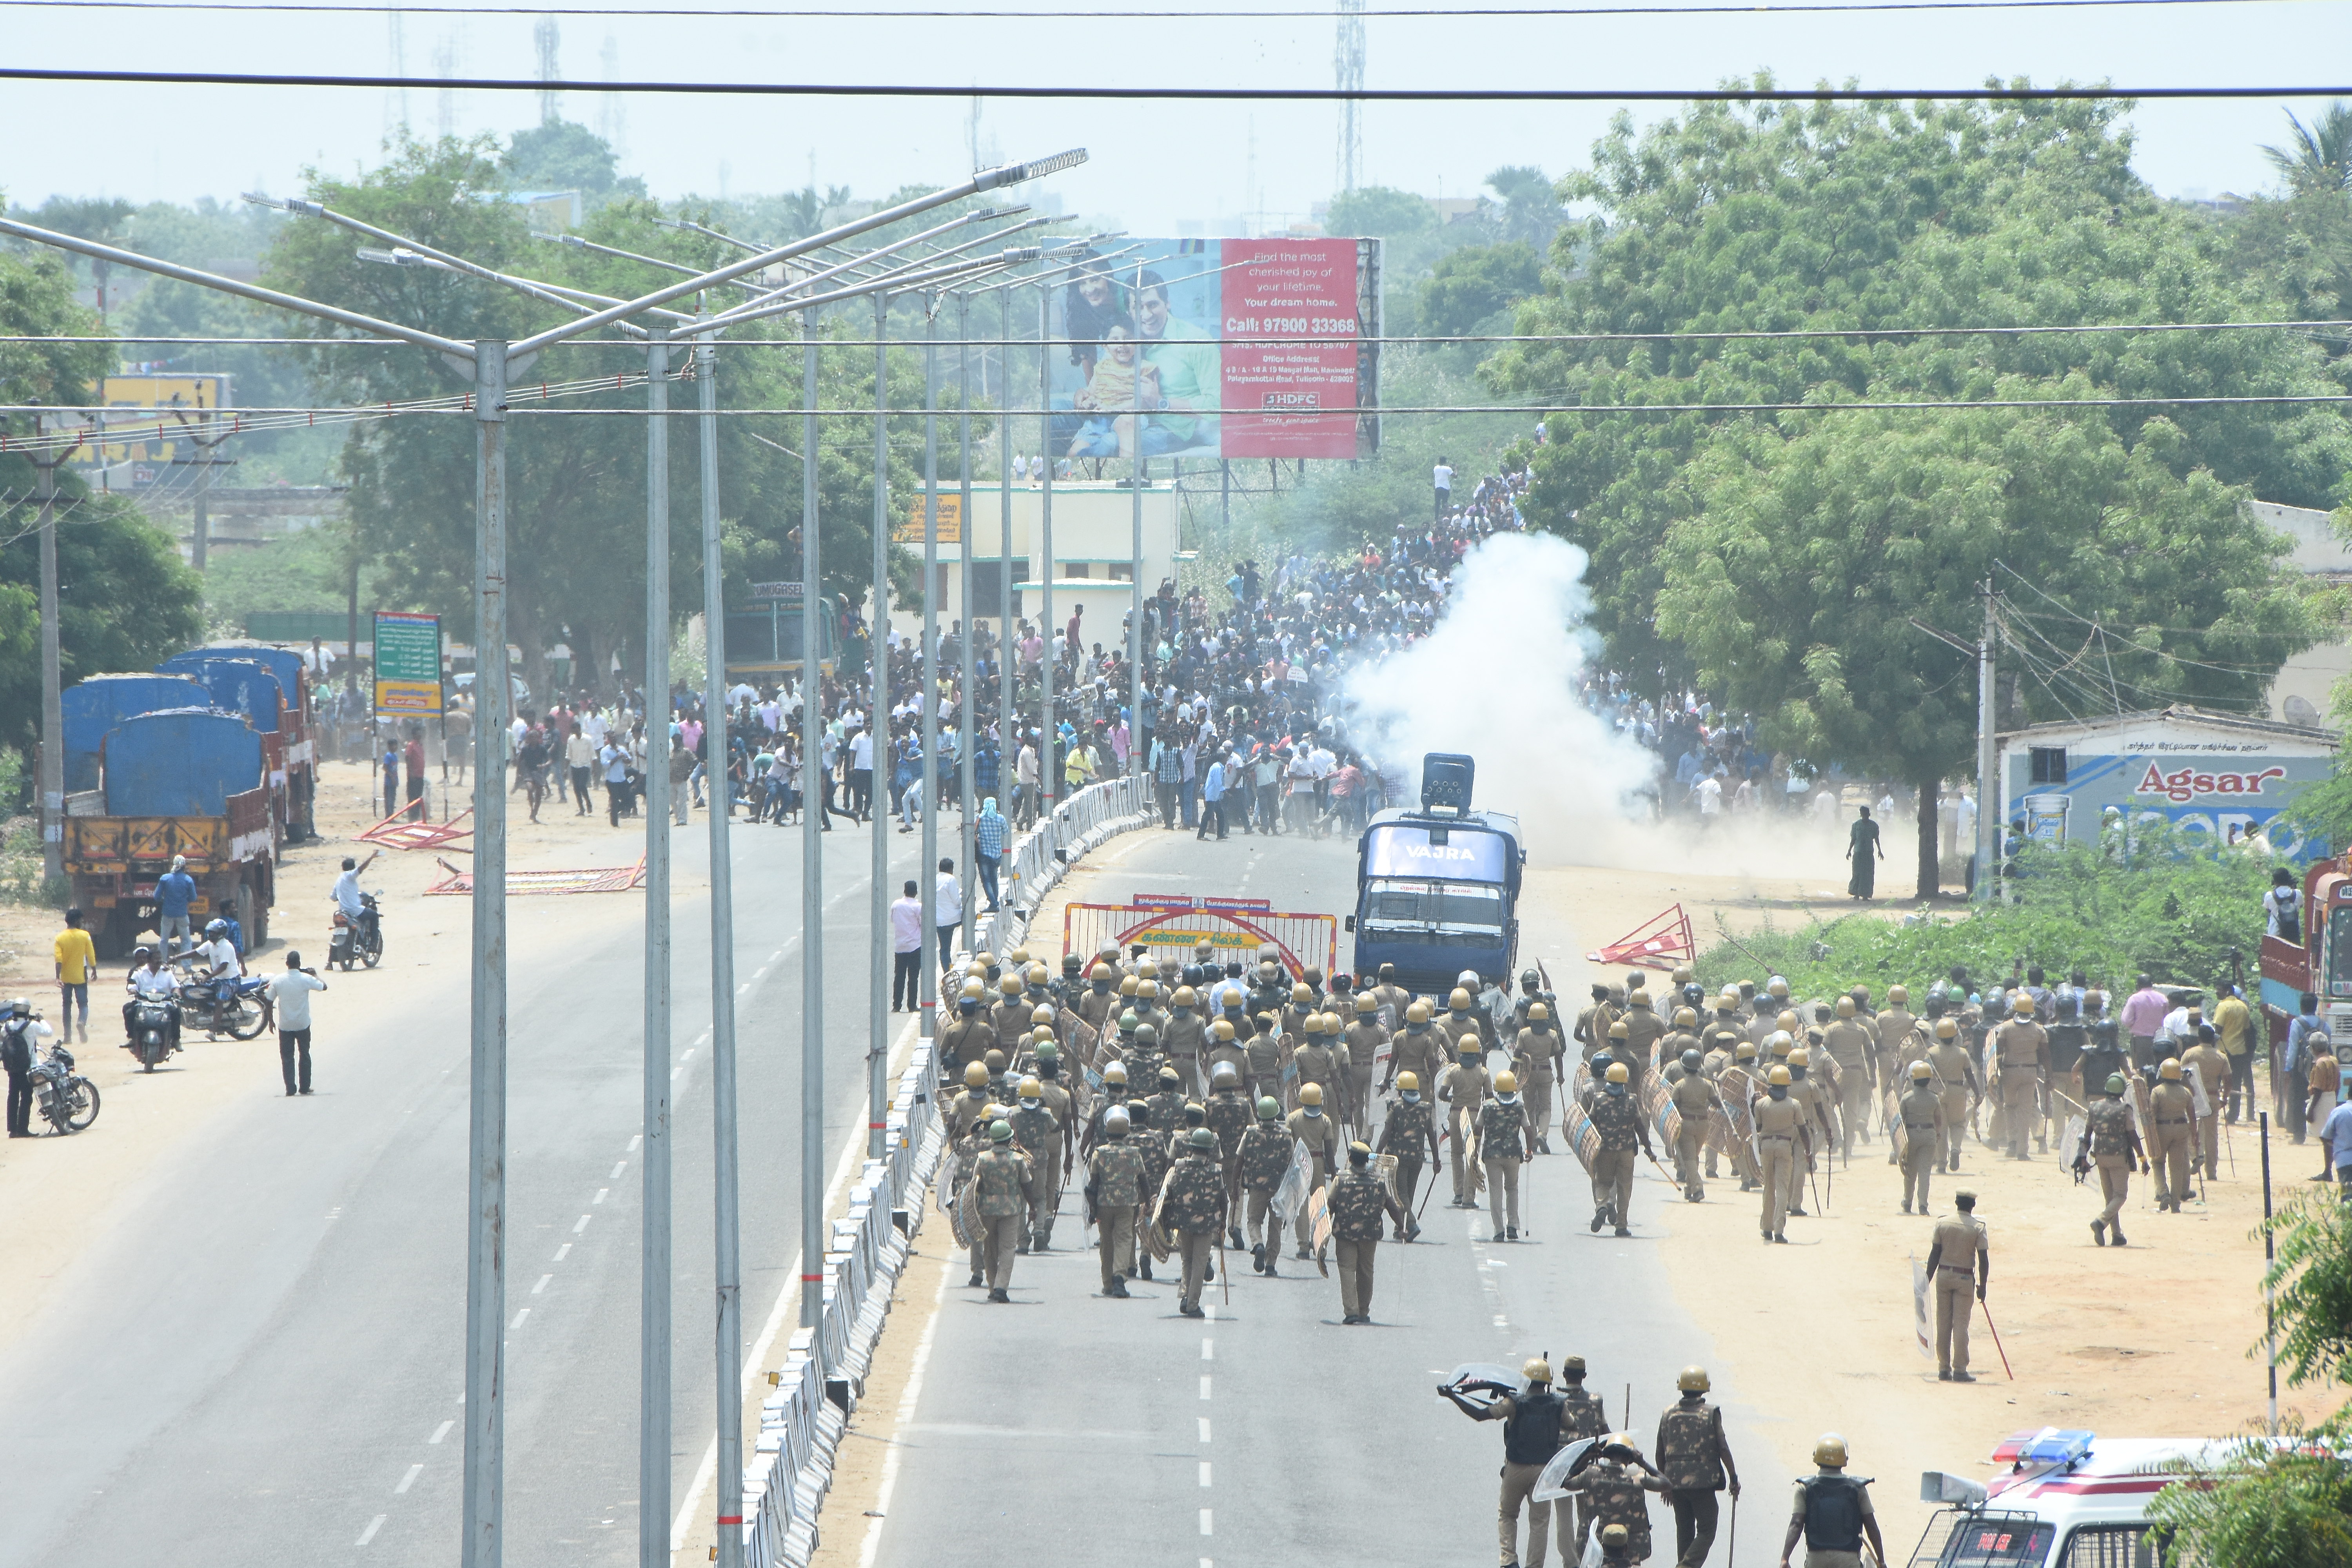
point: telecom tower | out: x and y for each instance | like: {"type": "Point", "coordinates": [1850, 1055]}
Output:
{"type": "Point", "coordinates": [550, 39]}
{"type": "Point", "coordinates": [1347, 64]}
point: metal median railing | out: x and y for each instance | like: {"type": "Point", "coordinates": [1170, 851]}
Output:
{"type": "Point", "coordinates": [823, 1374]}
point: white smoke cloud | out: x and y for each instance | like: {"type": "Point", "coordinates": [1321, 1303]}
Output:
{"type": "Point", "coordinates": [1498, 678]}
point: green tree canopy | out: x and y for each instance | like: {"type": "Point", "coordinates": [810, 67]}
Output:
{"type": "Point", "coordinates": [1470, 287]}
{"type": "Point", "coordinates": [1779, 558]}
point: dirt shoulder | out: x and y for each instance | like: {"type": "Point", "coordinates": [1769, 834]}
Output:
{"type": "Point", "coordinates": [2148, 1341]}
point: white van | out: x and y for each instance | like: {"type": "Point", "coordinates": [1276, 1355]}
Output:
{"type": "Point", "coordinates": [2064, 1499]}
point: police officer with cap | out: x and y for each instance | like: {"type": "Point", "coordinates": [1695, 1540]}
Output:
{"type": "Point", "coordinates": [1358, 1203]}
{"type": "Point", "coordinates": [1697, 1462]}
{"type": "Point", "coordinates": [1833, 1515]}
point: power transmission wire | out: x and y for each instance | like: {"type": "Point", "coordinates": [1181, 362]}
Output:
{"type": "Point", "coordinates": [1988, 93]}
{"type": "Point", "coordinates": [1100, 15]}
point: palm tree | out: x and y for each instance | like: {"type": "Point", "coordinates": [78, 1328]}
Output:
{"type": "Point", "coordinates": [106, 220]}
{"type": "Point", "coordinates": [2321, 158]}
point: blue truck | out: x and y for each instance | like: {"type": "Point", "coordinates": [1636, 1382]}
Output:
{"type": "Point", "coordinates": [1437, 890]}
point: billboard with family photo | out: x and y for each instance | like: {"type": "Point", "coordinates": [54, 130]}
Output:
{"type": "Point", "coordinates": [1146, 354]}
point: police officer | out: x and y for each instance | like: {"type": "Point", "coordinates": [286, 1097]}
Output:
{"type": "Point", "coordinates": [1365, 1040]}
{"type": "Point", "coordinates": [1227, 1115]}
{"type": "Point", "coordinates": [1832, 1514]}
{"type": "Point", "coordinates": [1356, 1203]}
{"type": "Point", "coordinates": [1185, 1038]}
{"type": "Point", "coordinates": [1002, 1182]}
{"type": "Point", "coordinates": [1782, 1134]}
{"type": "Point", "coordinates": [2204, 1059]}
{"type": "Point", "coordinates": [1921, 1110]}
{"type": "Point", "coordinates": [1613, 1482]}
{"type": "Point", "coordinates": [1535, 1056]}
{"type": "Point", "coordinates": [1409, 1128]}
{"type": "Point", "coordinates": [1315, 1062]}
{"type": "Point", "coordinates": [2025, 1053]}
{"type": "Point", "coordinates": [1695, 1460]}
{"type": "Point", "coordinates": [967, 1034]}
{"type": "Point", "coordinates": [1416, 1050]}
{"type": "Point", "coordinates": [1695, 1100]}
{"type": "Point", "coordinates": [966, 1106]}
{"type": "Point", "coordinates": [1504, 1142]}
{"type": "Point", "coordinates": [1536, 1424]}
{"type": "Point", "coordinates": [1850, 1044]}
{"type": "Point", "coordinates": [1263, 1159]}
{"type": "Point", "coordinates": [1463, 1088]}
{"type": "Point", "coordinates": [17, 1032]}
{"type": "Point", "coordinates": [1959, 1259]}
{"type": "Point", "coordinates": [1192, 1208]}
{"type": "Point", "coordinates": [1319, 1135]}
{"type": "Point", "coordinates": [1114, 1177]}
{"type": "Point", "coordinates": [2111, 1142]}
{"type": "Point", "coordinates": [1644, 1029]}
{"type": "Point", "coordinates": [1620, 1124]}
{"type": "Point", "coordinates": [1039, 1138]}
{"type": "Point", "coordinates": [1956, 1080]}
{"type": "Point", "coordinates": [2174, 1111]}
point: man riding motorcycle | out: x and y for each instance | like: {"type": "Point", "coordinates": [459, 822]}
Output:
{"type": "Point", "coordinates": [224, 968]}
{"type": "Point", "coordinates": [149, 981]}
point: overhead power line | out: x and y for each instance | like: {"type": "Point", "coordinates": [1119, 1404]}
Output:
{"type": "Point", "coordinates": [1990, 93]}
{"type": "Point", "coordinates": [1018, 13]}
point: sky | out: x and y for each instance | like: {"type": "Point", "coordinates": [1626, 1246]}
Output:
{"type": "Point", "coordinates": [1154, 166]}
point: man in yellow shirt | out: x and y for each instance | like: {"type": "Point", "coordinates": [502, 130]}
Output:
{"type": "Point", "coordinates": [77, 963]}
{"type": "Point", "coordinates": [2234, 1022]}
{"type": "Point", "coordinates": [1078, 770]}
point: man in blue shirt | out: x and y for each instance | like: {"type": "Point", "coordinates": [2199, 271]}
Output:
{"type": "Point", "coordinates": [175, 890]}
{"type": "Point", "coordinates": [1212, 800]}
{"type": "Point", "coordinates": [2294, 1063]}
{"type": "Point", "coordinates": [988, 833]}
{"type": "Point", "coordinates": [2337, 1133]}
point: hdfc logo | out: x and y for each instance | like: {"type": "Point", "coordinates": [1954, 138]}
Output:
{"type": "Point", "coordinates": [2184, 786]}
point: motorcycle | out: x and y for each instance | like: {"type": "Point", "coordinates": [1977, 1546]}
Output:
{"type": "Point", "coordinates": [152, 1039]}
{"type": "Point", "coordinates": [67, 1101]}
{"type": "Point", "coordinates": [247, 1012]}
{"type": "Point", "coordinates": [361, 940]}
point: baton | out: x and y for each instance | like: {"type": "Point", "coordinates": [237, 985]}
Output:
{"type": "Point", "coordinates": [1733, 1554]}
{"type": "Point", "coordinates": [1817, 1193]}
{"type": "Point", "coordinates": [1996, 1340]}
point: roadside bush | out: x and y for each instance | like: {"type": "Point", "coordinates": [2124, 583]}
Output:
{"type": "Point", "coordinates": [2176, 909]}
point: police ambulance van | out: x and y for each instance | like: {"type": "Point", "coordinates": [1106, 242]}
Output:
{"type": "Point", "coordinates": [2061, 1499]}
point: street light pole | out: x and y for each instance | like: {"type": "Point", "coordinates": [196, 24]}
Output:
{"type": "Point", "coordinates": [654, 1412]}
{"type": "Point", "coordinates": [877, 739]}
{"type": "Point", "coordinates": [53, 723]}
{"type": "Point", "coordinates": [966, 839]}
{"type": "Point", "coordinates": [486, 1179]}
{"type": "Point", "coordinates": [1046, 769]}
{"type": "Point", "coordinates": [928, 719]}
{"type": "Point", "coordinates": [1008, 726]}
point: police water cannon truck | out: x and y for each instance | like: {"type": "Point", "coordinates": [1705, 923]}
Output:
{"type": "Point", "coordinates": [1437, 889]}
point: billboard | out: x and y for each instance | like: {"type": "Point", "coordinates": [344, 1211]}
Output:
{"type": "Point", "coordinates": [407, 664]}
{"type": "Point", "coordinates": [2209, 774]}
{"type": "Point", "coordinates": [1150, 328]}
{"type": "Point", "coordinates": [140, 394]}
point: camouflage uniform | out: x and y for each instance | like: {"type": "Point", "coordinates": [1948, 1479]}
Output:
{"type": "Point", "coordinates": [1358, 1203]}
{"type": "Point", "coordinates": [1227, 1115]}
{"type": "Point", "coordinates": [1004, 1181]}
{"type": "Point", "coordinates": [1692, 1457]}
{"type": "Point", "coordinates": [1502, 1145]}
{"type": "Point", "coordinates": [1115, 1177]}
{"type": "Point", "coordinates": [2107, 1129]}
{"type": "Point", "coordinates": [1037, 1134]}
{"type": "Point", "coordinates": [1618, 1120]}
{"type": "Point", "coordinates": [1405, 1133]}
{"type": "Point", "coordinates": [1192, 1208]}
{"type": "Point", "coordinates": [1613, 1494]}
{"type": "Point", "coordinates": [1264, 1160]}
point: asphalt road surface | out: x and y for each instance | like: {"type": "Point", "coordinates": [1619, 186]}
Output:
{"type": "Point", "coordinates": [1066, 1427]}
{"type": "Point", "coordinates": [261, 1355]}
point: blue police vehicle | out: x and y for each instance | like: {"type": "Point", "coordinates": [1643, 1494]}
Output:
{"type": "Point", "coordinates": [1437, 890]}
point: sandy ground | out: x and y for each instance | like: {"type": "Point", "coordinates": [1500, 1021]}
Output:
{"type": "Point", "coordinates": [2151, 1340]}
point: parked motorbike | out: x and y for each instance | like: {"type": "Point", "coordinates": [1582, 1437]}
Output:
{"type": "Point", "coordinates": [67, 1101]}
{"type": "Point", "coordinates": [152, 1036]}
{"type": "Point", "coordinates": [361, 940]}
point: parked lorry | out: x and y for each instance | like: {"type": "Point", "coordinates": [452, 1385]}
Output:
{"type": "Point", "coordinates": [96, 703]}
{"type": "Point", "coordinates": [2319, 962]}
{"type": "Point", "coordinates": [267, 685]}
{"type": "Point", "coordinates": [189, 782]}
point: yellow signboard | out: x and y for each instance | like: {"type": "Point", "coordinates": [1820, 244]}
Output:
{"type": "Point", "coordinates": [128, 397]}
{"type": "Point", "coordinates": [951, 520]}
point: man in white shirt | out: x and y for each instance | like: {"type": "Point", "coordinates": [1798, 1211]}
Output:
{"type": "Point", "coordinates": [861, 774]}
{"type": "Point", "coordinates": [1443, 477]}
{"type": "Point", "coordinates": [906, 951]}
{"type": "Point", "coordinates": [947, 911]}
{"type": "Point", "coordinates": [290, 994]}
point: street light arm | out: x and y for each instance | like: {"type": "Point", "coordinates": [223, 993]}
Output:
{"type": "Point", "coordinates": [253, 291]}
{"type": "Point", "coordinates": [986, 180]}
{"type": "Point", "coordinates": [865, 260]}
{"type": "Point", "coordinates": [739, 313]}
{"type": "Point", "coordinates": [906, 280]}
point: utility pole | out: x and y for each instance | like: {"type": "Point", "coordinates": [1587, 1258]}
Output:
{"type": "Point", "coordinates": [1988, 807]}
{"type": "Point", "coordinates": [877, 735]}
{"type": "Point", "coordinates": [968, 805]}
{"type": "Point", "coordinates": [1047, 784]}
{"type": "Point", "coordinates": [53, 723]}
{"type": "Point", "coordinates": [927, 996]}
{"type": "Point", "coordinates": [654, 1411]}
{"type": "Point", "coordinates": [200, 545]}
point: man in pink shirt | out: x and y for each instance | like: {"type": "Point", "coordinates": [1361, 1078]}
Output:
{"type": "Point", "coordinates": [2142, 1016]}
{"type": "Point", "coordinates": [906, 951]}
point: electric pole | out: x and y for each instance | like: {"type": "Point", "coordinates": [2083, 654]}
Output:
{"type": "Point", "coordinates": [53, 723]}
{"type": "Point", "coordinates": [1988, 800]}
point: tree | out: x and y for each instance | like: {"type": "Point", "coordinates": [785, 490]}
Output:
{"type": "Point", "coordinates": [1531, 213]}
{"type": "Point", "coordinates": [1780, 557]}
{"type": "Point", "coordinates": [105, 219]}
{"type": "Point", "coordinates": [1468, 289]}
{"type": "Point", "coordinates": [124, 598]}
{"type": "Point", "coordinates": [559, 155]}
{"type": "Point", "coordinates": [2321, 157]}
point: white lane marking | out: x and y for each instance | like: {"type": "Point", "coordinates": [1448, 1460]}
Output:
{"type": "Point", "coordinates": [853, 1156]}
{"type": "Point", "coordinates": [868, 1551]}
{"type": "Point", "coordinates": [635, 1139]}
{"type": "Point", "coordinates": [369, 1534]}
{"type": "Point", "coordinates": [1204, 1472]}
{"type": "Point", "coordinates": [602, 1193]}
{"type": "Point", "coordinates": [1204, 1387]}
{"type": "Point", "coordinates": [1204, 1428]}
{"type": "Point", "coordinates": [617, 1169]}
{"type": "Point", "coordinates": [409, 1480]}
{"type": "Point", "coordinates": [543, 1281]}
{"type": "Point", "coordinates": [1208, 1350]}
{"type": "Point", "coordinates": [583, 1225]}
{"type": "Point", "coordinates": [1205, 1526]}
{"type": "Point", "coordinates": [440, 1432]}
{"type": "Point", "coordinates": [519, 1316]}
{"type": "Point", "coordinates": [561, 1251]}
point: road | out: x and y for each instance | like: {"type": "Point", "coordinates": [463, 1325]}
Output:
{"type": "Point", "coordinates": [259, 1347]}
{"type": "Point", "coordinates": [1067, 1427]}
